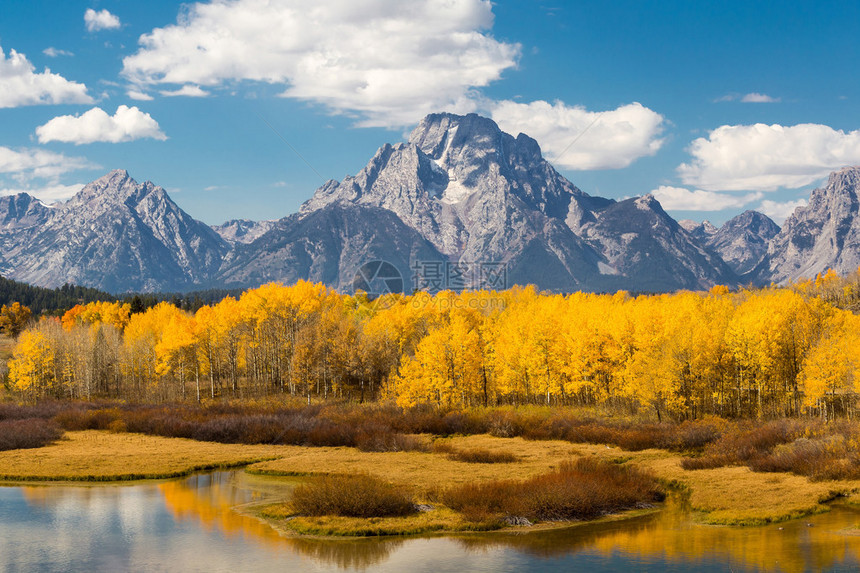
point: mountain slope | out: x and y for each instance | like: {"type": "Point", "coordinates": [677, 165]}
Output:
{"type": "Point", "coordinates": [242, 230]}
{"type": "Point", "coordinates": [823, 235]}
{"type": "Point", "coordinates": [742, 241]}
{"type": "Point", "coordinates": [117, 235]}
{"type": "Point", "coordinates": [21, 216]}
{"type": "Point", "coordinates": [328, 246]}
{"type": "Point", "coordinates": [479, 194]}
{"type": "Point", "coordinates": [646, 250]}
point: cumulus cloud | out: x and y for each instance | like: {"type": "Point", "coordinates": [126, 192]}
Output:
{"type": "Point", "coordinates": [101, 20]}
{"type": "Point", "coordinates": [53, 52]}
{"type": "Point", "coordinates": [46, 193]}
{"type": "Point", "coordinates": [575, 138]}
{"type": "Point", "coordinates": [127, 124]}
{"type": "Point", "coordinates": [187, 91]}
{"type": "Point", "coordinates": [20, 84]}
{"type": "Point", "coordinates": [767, 157]}
{"type": "Point", "coordinates": [388, 62]}
{"type": "Point", "coordinates": [33, 163]}
{"type": "Point", "coordinates": [780, 211]}
{"type": "Point", "coordinates": [681, 199]}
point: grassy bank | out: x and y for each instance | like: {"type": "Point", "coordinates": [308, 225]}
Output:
{"type": "Point", "coordinates": [103, 456]}
{"type": "Point", "coordinates": [725, 495]}
{"type": "Point", "coordinates": [727, 472]}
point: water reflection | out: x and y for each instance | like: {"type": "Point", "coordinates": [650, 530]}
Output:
{"type": "Point", "coordinates": [214, 500]}
{"type": "Point", "coordinates": [201, 523]}
{"type": "Point", "coordinates": [812, 544]}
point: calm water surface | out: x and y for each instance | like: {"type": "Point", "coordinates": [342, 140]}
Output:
{"type": "Point", "coordinates": [197, 524]}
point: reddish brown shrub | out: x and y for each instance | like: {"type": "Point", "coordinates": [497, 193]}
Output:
{"type": "Point", "coordinates": [744, 443]}
{"type": "Point", "coordinates": [28, 433]}
{"type": "Point", "coordinates": [583, 489]}
{"type": "Point", "coordinates": [351, 496]}
{"type": "Point", "coordinates": [481, 456]}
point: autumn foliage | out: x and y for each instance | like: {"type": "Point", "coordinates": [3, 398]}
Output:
{"type": "Point", "coordinates": [13, 319]}
{"type": "Point", "coordinates": [763, 353]}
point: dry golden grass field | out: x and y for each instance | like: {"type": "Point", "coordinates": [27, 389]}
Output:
{"type": "Point", "coordinates": [729, 495]}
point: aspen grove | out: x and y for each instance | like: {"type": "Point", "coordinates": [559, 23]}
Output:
{"type": "Point", "coordinates": [760, 353]}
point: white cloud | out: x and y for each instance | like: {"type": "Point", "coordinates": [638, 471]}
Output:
{"type": "Point", "coordinates": [780, 211]}
{"type": "Point", "coordinates": [680, 199]}
{"type": "Point", "coordinates": [101, 20]}
{"type": "Point", "coordinates": [127, 124]}
{"type": "Point", "coordinates": [387, 61]}
{"type": "Point", "coordinates": [53, 52]}
{"type": "Point", "coordinates": [575, 138]}
{"type": "Point", "coordinates": [759, 98]}
{"type": "Point", "coordinates": [46, 193]}
{"type": "Point", "coordinates": [767, 157]}
{"type": "Point", "coordinates": [753, 97]}
{"type": "Point", "coordinates": [33, 163]}
{"type": "Point", "coordinates": [21, 85]}
{"type": "Point", "coordinates": [187, 91]}
{"type": "Point", "coordinates": [139, 96]}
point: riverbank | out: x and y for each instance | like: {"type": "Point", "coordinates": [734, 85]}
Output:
{"type": "Point", "coordinates": [100, 456]}
{"type": "Point", "coordinates": [727, 495]}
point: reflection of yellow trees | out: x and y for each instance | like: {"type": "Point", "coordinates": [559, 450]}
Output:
{"type": "Point", "coordinates": [211, 503]}
{"type": "Point", "coordinates": [670, 535]}
{"type": "Point", "coordinates": [753, 353]}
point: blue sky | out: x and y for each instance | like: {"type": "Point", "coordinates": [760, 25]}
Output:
{"type": "Point", "coordinates": [715, 107]}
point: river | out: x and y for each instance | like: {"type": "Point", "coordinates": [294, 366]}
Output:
{"type": "Point", "coordinates": [198, 524]}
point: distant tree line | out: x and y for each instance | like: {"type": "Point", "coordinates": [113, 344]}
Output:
{"type": "Point", "coordinates": [46, 300]}
{"type": "Point", "coordinates": [58, 300]}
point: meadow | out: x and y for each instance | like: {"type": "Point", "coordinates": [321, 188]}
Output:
{"type": "Point", "coordinates": [492, 409]}
{"type": "Point", "coordinates": [476, 469]}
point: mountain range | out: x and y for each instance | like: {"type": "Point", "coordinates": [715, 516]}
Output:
{"type": "Point", "coordinates": [459, 204]}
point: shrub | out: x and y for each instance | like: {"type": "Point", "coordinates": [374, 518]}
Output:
{"type": "Point", "coordinates": [818, 459]}
{"type": "Point", "coordinates": [351, 496]}
{"type": "Point", "coordinates": [387, 441]}
{"type": "Point", "coordinates": [475, 455]}
{"type": "Point", "coordinates": [28, 433]}
{"type": "Point", "coordinates": [745, 443]}
{"type": "Point", "coordinates": [583, 489]}
{"type": "Point", "coordinates": [77, 419]}
{"type": "Point", "coordinates": [695, 435]}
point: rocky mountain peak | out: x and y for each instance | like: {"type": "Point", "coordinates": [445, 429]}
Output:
{"type": "Point", "coordinates": [699, 231]}
{"type": "Point", "coordinates": [824, 234]}
{"type": "Point", "coordinates": [22, 210]}
{"type": "Point", "coordinates": [648, 203]}
{"type": "Point", "coordinates": [243, 231]}
{"type": "Point", "coordinates": [752, 222]}
{"type": "Point", "coordinates": [742, 241]}
{"type": "Point", "coordinates": [115, 234]}
{"type": "Point", "coordinates": [441, 132]}
{"type": "Point", "coordinates": [114, 188]}
{"type": "Point", "coordinates": [846, 179]}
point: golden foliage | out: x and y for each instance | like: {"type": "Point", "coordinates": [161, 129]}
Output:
{"type": "Point", "coordinates": [752, 353]}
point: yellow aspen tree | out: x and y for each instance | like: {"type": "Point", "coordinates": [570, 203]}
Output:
{"type": "Point", "coordinates": [31, 369]}
{"type": "Point", "coordinates": [13, 319]}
